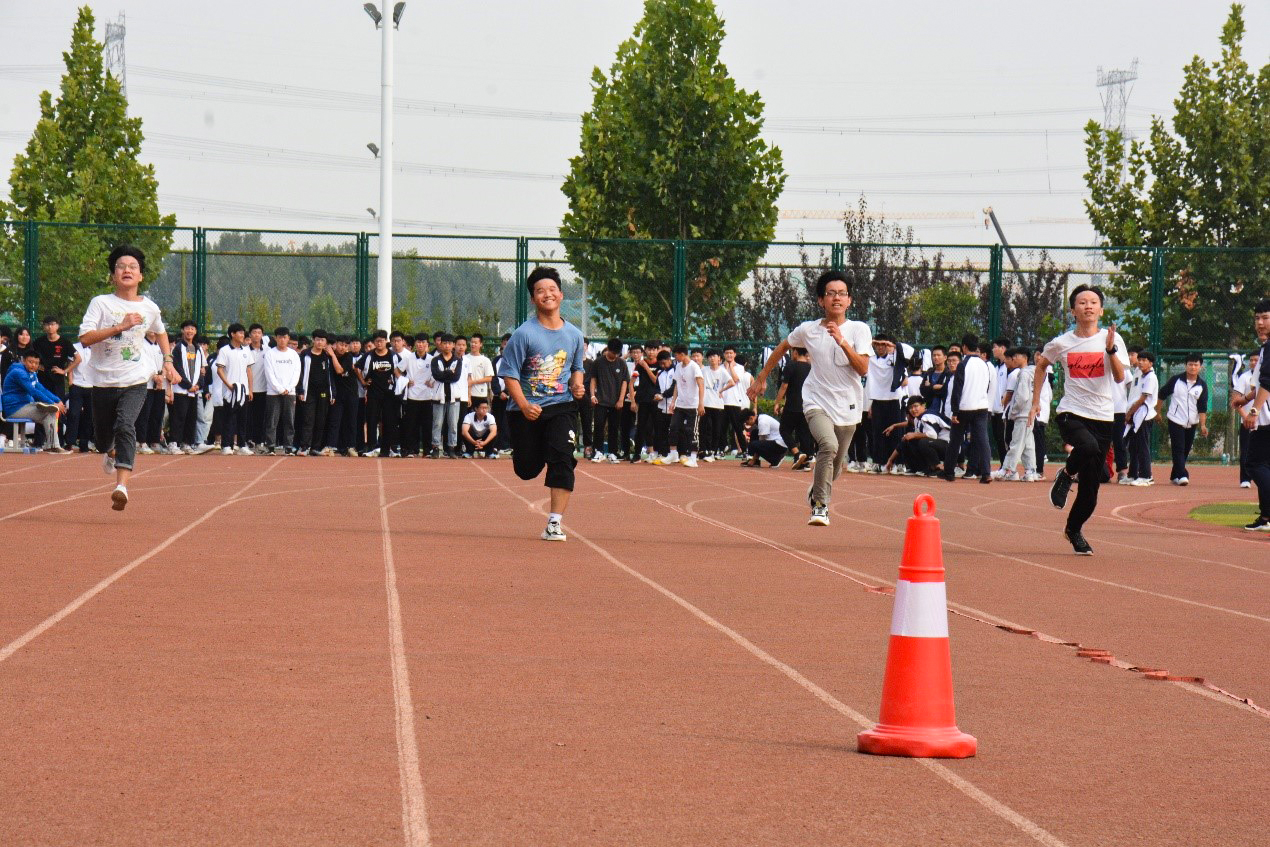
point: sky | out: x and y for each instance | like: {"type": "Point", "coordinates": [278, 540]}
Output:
{"type": "Point", "coordinates": [257, 112]}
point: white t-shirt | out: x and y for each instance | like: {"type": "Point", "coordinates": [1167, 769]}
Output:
{"type": "Point", "coordinates": [1000, 385]}
{"type": "Point", "coordinates": [479, 428]}
{"type": "Point", "coordinates": [119, 361]}
{"type": "Point", "coordinates": [402, 362]}
{"type": "Point", "coordinates": [282, 371]}
{"type": "Point", "coordinates": [716, 378]}
{"type": "Point", "coordinates": [418, 372]}
{"type": "Point", "coordinates": [833, 386]}
{"type": "Point", "coordinates": [686, 376]}
{"type": "Point", "coordinates": [478, 366]}
{"type": "Point", "coordinates": [1089, 380]}
{"type": "Point", "coordinates": [767, 428]}
{"type": "Point", "coordinates": [1149, 390]}
{"type": "Point", "coordinates": [237, 364]}
{"type": "Point", "coordinates": [83, 373]}
{"type": "Point", "coordinates": [734, 396]}
{"type": "Point", "coordinates": [881, 374]}
{"type": "Point", "coordinates": [257, 370]}
{"type": "Point", "coordinates": [154, 355]}
{"type": "Point", "coordinates": [976, 385]}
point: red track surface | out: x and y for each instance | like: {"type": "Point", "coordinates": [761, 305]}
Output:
{"type": "Point", "coordinates": [691, 667]}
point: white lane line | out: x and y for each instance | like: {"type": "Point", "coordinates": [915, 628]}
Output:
{"type": "Point", "coordinates": [40, 465]}
{"type": "Point", "coordinates": [414, 816]}
{"type": "Point", "coordinates": [1026, 825]}
{"type": "Point", "coordinates": [86, 493]}
{"type": "Point", "coordinates": [865, 579]}
{"type": "Point", "coordinates": [52, 621]}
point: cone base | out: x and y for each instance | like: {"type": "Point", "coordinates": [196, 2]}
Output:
{"type": "Point", "coordinates": [917, 743]}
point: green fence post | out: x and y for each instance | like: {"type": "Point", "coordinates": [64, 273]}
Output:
{"type": "Point", "coordinates": [198, 279]}
{"type": "Point", "coordinates": [361, 286]}
{"type": "Point", "coordinates": [995, 272]}
{"type": "Point", "coordinates": [1157, 300]}
{"type": "Point", "coordinates": [679, 293]}
{"type": "Point", "coordinates": [836, 256]}
{"type": "Point", "coordinates": [522, 273]}
{"type": "Point", "coordinates": [31, 272]}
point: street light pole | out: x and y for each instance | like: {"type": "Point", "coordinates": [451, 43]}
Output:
{"type": "Point", "coordinates": [383, 299]}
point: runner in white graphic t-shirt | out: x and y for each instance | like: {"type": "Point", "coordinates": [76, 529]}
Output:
{"type": "Point", "coordinates": [1094, 362]}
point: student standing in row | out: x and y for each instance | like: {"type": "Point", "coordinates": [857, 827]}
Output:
{"type": "Point", "coordinates": [542, 370]}
{"type": "Point", "coordinates": [1257, 420]}
{"type": "Point", "coordinates": [114, 326]}
{"type": "Point", "coordinates": [282, 374]}
{"type": "Point", "coordinates": [609, 381]}
{"type": "Point", "coordinates": [313, 391]}
{"type": "Point", "coordinates": [1243, 395]}
{"type": "Point", "coordinates": [1187, 394]}
{"type": "Point", "coordinates": [833, 393]}
{"type": "Point", "coordinates": [1094, 362]}
{"type": "Point", "coordinates": [1140, 419]}
{"type": "Point", "coordinates": [968, 404]}
{"type": "Point", "coordinates": [687, 406]}
{"type": "Point", "coordinates": [447, 371]}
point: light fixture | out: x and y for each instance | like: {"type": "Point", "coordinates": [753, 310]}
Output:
{"type": "Point", "coordinates": [373, 11]}
{"type": "Point", "coordinates": [396, 13]}
{"type": "Point", "coordinates": [372, 212]}
{"type": "Point", "coordinates": [373, 148]}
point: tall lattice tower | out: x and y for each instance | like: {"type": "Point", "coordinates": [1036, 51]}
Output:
{"type": "Point", "coordinates": [1115, 87]}
{"type": "Point", "coordinates": [115, 61]}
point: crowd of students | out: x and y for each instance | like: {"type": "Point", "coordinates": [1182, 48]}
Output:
{"type": "Point", "coordinates": [397, 395]}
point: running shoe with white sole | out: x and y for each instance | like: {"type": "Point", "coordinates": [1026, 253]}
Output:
{"type": "Point", "coordinates": [1079, 544]}
{"type": "Point", "coordinates": [688, 462]}
{"type": "Point", "coordinates": [119, 498]}
{"type": "Point", "coordinates": [553, 532]}
{"type": "Point", "coordinates": [108, 463]}
{"type": "Point", "coordinates": [819, 515]}
{"type": "Point", "coordinates": [1261, 524]}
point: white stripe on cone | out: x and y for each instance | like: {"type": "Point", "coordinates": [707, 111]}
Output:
{"type": "Point", "coordinates": [921, 610]}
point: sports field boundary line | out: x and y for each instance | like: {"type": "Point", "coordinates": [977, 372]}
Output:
{"type": "Point", "coordinates": [996, 807]}
{"type": "Point", "coordinates": [1213, 693]}
{"type": "Point", "coordinates": [414, 817]}
{"type": "Point", "coordinates": [36, 465]}
{"type": "Point", "coordinates": [70, 608]}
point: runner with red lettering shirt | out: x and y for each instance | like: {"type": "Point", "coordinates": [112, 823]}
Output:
{"type": "Point", "coordinates": [1094, 362]}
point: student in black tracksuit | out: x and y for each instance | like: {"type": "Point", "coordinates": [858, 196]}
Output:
{"type": "Point", "coordinates": [341, 427]}
{"type": "Point", "coordinates": [789, 407]}
{"type": "Point", "coordinates": [314, 392]}
{"type": "Point", "coordinates": [645, 404]}
{"type": "Point", "coordinates": [190, 365]}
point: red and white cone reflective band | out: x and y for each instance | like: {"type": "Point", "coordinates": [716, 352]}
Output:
{"type": "Point", "coordinates": [917, 716]}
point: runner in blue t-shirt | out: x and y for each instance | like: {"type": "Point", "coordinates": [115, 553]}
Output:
{"type": "Point", "coordinates": [542, 369]}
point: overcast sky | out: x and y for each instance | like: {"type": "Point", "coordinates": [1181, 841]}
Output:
{"type": "Point", "coordinates": [257, 114]}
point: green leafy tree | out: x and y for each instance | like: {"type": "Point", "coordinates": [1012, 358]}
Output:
{"type": "Point", "coordinates": [942, 312]}
{"type": "Point", "coordinates": [670, 149]}
{"type": "Point", "coordinates": [80, 167]}
{"type": "Point", "coordinates": [1206, 183]}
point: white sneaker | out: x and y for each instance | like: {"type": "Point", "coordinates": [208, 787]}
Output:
{"type": "Point", "coordinates": [553, 532]}
{"type": "Point", "coordinates": [897, 470]}
{"type": "Point", "coordinates": [819, 515]}
{"type": "Point", "coordinates": [1141, 483]}
{"type": "Point", "coordinates": [1124, 480]}
{"type": "Point", "coordinates": [227, 451]}
{"type": "Point", "coordinates": [673, 458]}
{"type": "Point", "coordinates": [1032, 476]}
{"type": "Point", "coordinates": [245, 451]}
{"type": "Point", "coordinates": [612, 459]}
{"type": "Point", "coordinates": [597, 458]}
{"type": "Point", "coordinates": [174, 449]}
{"type": "Point", "coordinates": [688, 462]}
{"type": "Point", "coordinates": [1008, 476]}
{"type": "Point", "coordinates": [709, 457]}
{"type": "Point", "coordinates": [119, 498]}
{"type": "Point", "coordinates": [145, 450]}
{"type": "Point", "coordinates": [108, 463]}
{"type": "Point", "coordinates": [1184, 480]}
{"type": "Point", "coordinates": [1245, 484]}
{"type": "Point", "coordinates": [853, 467]}
{"type": "Point", "coordinates": [200, 449]}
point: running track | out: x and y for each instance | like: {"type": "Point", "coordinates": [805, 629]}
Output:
{"type": "Point", "coordinates": [293, 652]}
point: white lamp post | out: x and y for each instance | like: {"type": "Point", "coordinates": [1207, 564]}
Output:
{"type": "Point", "coordinates": [383, 299]}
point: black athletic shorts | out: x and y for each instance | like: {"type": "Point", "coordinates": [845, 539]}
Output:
{"type": "Point", "coordinates": [547, 442]}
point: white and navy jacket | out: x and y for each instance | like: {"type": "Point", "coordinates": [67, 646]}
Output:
{"type": "Point", "coordinates": [1187, 400]}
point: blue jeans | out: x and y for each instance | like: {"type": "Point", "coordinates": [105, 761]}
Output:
{"type": "Point", "coordinates": [446, 414]}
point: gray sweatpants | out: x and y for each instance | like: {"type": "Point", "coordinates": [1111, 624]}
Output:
{"type": "Point", "coordinates": [115, 413]}
{"type": "Point", "coordinates": [831, 443]}
{"type": "Point", "coordinates": [46, 418]}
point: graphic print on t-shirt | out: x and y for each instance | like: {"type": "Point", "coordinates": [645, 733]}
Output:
{"type": "Point", "coordinates": [1086, 365]}
{"type": "Point", "coordinates": [545, 379]}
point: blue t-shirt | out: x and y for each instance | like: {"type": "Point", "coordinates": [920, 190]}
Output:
{"type": "Point", "coordinates": [542, 360]}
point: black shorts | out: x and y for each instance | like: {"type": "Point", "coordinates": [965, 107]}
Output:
{"type": "Point", "coordinates": [547, 442]}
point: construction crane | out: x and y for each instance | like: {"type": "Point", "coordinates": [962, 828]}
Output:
{"type": "Point", "coordinates": [1001, 235]}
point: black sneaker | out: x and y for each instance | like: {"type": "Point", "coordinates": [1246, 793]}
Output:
{"type": "Point", "coordinates": [1261, 524]}
{"type": "Point", "coordinates": [1079, 544]}
{"type": "Point", "coordinates": [1059, 490]}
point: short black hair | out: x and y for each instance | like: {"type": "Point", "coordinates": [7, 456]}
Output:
{"type": "Point", "coordinates": [282, 330]}
{"type": "Point", "coordinates": [1263, 306]}
{"type": "Point", "coordinates": [822, 282]}
{"type": "Point", "coordinates": [255, 327]}
{"type": "Point", "coordinates": [1148, 355]}
{"type": "Point", "coordinates": [51, 319]}
{"type": "Point", "coordinates": [445, 336]}
{"type": "Point", "coordinates": [378, 334]}
{"type": "Point", "coordinates": [941, 348]}
{"type": "Point", "coordinates": [746, 413]}
{"type": "Point", "coordinates": [614, 345]}
{"type": "Point", "coordinates": [235, 327]}
{"type": "Point", "coordinates": [1194, 357]}
{"type": "Point", "coordinates": [680, 348]}
{"type": "Point", "coordinates": [884, 336]}
{"type": "Point", "coordinates": [970, 342]}
{"type": "Point", "coordinates": [663, 356]}
{"type": "Point", "coordinates": [506, 336]}
{"type": "Point", "coordinates": [396, 333]}
{"type": "Point", "coordinates": [913, 401]}
{"type": "Point", "coordinates": [320, 333]}
{"type": "Point", "coordinates": [1081, 289]}
{"type": "Point", "coordinates": [542, 273]}
{"type": "Point", "coordinates": [30, 353]}
{"type": "Point", "coordinates": [480, 401]}
{"type": "Point", "coordinates": [727, 347]}
{"type": "Point", "coordinates": [1001, 341]}
{"type": "Point", "coordinates": [188, 322]}
{"type": "Point", "coordinates": [653, 342]}
{"type": "Point", "coordinates": [477, 335]}
{"type": "Point", "coordinates": [125, 250]}
{"type": "Point", "coordinates": [1134, 348]}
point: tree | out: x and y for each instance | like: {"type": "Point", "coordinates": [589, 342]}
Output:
{"type": "Point", "coordinates": [81, 167]}
{"type": "Point", "coordinates": [942, 312]}
{"type": "Point", "coordinates": [779, 299]}
{"type": "Point", "coordinates": [669, 150]}
{"type": "Point", "coordinates": [1034, 304]}
{"type": "Point", "coordinates": [1206, 184]}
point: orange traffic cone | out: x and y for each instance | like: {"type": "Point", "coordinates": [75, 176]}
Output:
{"type": "Point", "coordinates": [917, 693]}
